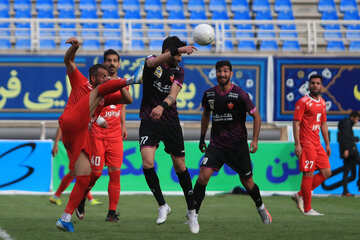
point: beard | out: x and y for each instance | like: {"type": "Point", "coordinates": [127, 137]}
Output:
{"type": "Point", "coordinates": [223, 81]}
{"type": "Point", "coordinates": [315, 93]}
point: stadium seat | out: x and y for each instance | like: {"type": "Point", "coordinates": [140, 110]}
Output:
{"type": "Point", "coordinates": [152, 5]}
{"type": "Point", "coordinates": [87, 5]}
{"type": "Point", "coordinates": [282, 5]}
{"type": "Point", "coordinates": [197, 15]}
{"type": "Point", "coordinates": [263, 15]}
{"type": "Point", "coordinates": [332, 32]}
{"type": "Point", "coordinates": [223, 16]}
{"type": "Point", "coordinates": [66, 5]}
{"type": "Point", "coordinates": [112, 32]}
{"type": "Point", "coordinates": [4, 28]}
{"type": "Point", "coordinates": [47, 32]}
{"type": "Point", "coordinates": [109, 5]}
{"type": "Point", "coordinates": [291, 46]}
{"type": "Point", "coordinates": [217, 5]}
{"type": "Point", "coordinates": [196, 6]}
{"type": "Point", "coordinates": [348, 5]}
{"type": "Point", "coordinates": [90, 31]}
{"type": "Point", "coordinates": [4, 6]}
{"type": "Point", "coordinates": [239, 6]}
{"type": "Point", "coordinates": [268, 45]}
{"type": "Point", "coordinates": [242, 15]}
{"type": "Point", "coordinates": [174, 5]}
{"type": "Point", "coordinates": [44, 5]}
{"type": "Point", "coordinates": [136, 30]}
{"type": "Point", "coordinates": [244, 32]}
{"type": "Point", "coordinates": [353, 32]}
{"type": "Point", "coordinates": [266, 31]}
{"type": "Point", "coordinates": [67, 29]}
{"type": "Point", "coordinates": [335, 46]}
{"type": "Point", "coordinates": [332, 15]}
{"type": "Point", "coordinates": [22, 5]}
{"type": "Point", "coordinates": [22, 31]}
{"type": "Point", "coordinates": [261, 5]}
{"type": "Point", "coordinates": [156, 32]}
{"type": "Point", "coordinates": [177, 29]}
{"type": "Point", "coordinates": [326, 6]}
{"type": "Point", "coordinates": [131, 5]}
{"type": "Point", "coordinates": [354, 46]}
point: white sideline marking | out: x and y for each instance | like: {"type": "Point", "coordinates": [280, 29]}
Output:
{"type": "Point", "coordinates": [4, 235]}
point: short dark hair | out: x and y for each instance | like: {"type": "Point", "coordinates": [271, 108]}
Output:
{"type": "Point", "coordinates": [315, 76]}
{"type": "Point", "coordinates": [172, 43]}
{"type": "Point", "coordinates": [354, 114]}
{"type": "Point", "coordinates": [111, 52]}
{"type": "Point", "coordinates": [223, 63]}
{"type": "Point", "coordinates": [94, 69]}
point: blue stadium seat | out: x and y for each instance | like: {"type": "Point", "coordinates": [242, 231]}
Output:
{"type": "Point", "coordinates": [291, 46]}
{"type": "Point", "coordinates": [351, 15]}
{"type": "Point", "coordinates": [263, 15]}
{"type": "Point", "coordinates": [197, 15]}
{"type": "Point", "coordinates": [242, 15]}
{"type": "Point", "coordinates": [44, 5]}
{"type": "Point", "coordinates": [354, 46]}
{"type": "Point", "coordinates": [4, 6]}
{"type": "Point", "coordinates": [109, 5]}
{"type": "Point", "coordinates": [67, 29]}
{"type": "Point", "coordinates": [326, 6]}
{"type": "Point", "coordinates": [47, 32]}
{"type": "Point", "coordinates": [90, 31]}
{"type": "Point", "coordinates": [22, 5]}
{"type": "Point", "coordinates": [332, 32]}
{"type": "Point", "coordinates": [156, 32]}
{"type": "Point", "coordinates": [282, 5]}
{"type": "Point", "coordinates": [268, 45]}
{"type": "Point", "coordinates": [177, 29]}
{"type": "Point", "coordinates": [66, 5]}
{"type": "Point", "coordinates": [152, 5]}
{"type": "Point", "coordinates": [239, 6]}
{"type": "Point", "coordinates": [261, 5]}
{"type": "Point", "coordinates": [244, 32]}
{"type": "Point", "coordinates": [348, 5]}
{"type": "Point", "coordinates": [87, 5]}
{"type": "Point", "coordinates": [4, 28]}
{"type": "Point", "coordinates": [131, 5]}
{"type": "Point", "coordinates": [174, 5]}
{"type": "Point", "coordinates": [136, 44]}
{"type": "Point", "coordinates": [266, 31]}
{"type": "Point", "coordinates": [217, 5]}
{"type": "Point", "coordinates": [335, 46]}
{"type": "Point", "coordinates": [22, 31]}
{"type": "Point", "coordinates": [353, 32]}
{"type": "Point", "coordinates": [196, 6]}
{"type": "Point", "coordinates": [223, 16]}
{"type": "Point", "coordinates": [112, 32]}
{"type": "Point", "coordinates": [332, 15]}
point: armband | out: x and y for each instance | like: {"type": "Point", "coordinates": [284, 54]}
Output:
{"type": "Point", "coordinates": [174, 52]}
{"type": "Point", "coordinates": [100, 120]}
{"type": "Point", "coordinates": [164, 104]}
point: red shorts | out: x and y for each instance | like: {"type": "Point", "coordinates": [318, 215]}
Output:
{"type": "Point", "coordinates": [313, 158]}
{"type": "Point", "coordinates": [74, 128]}
{"type": "Point", "coordinates": [105, 151]}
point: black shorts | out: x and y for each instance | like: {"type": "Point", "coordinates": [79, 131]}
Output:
{"type": "Point", "coordinates": [151, 133]}
{"type": "Point", "coordinates": [238, 159]}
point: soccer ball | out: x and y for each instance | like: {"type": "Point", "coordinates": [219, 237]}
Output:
{"type": "Point", "coordinates": [203, 34]}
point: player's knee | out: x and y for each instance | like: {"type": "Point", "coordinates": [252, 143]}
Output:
{"type": "Point", "coordinates": [203, 180]}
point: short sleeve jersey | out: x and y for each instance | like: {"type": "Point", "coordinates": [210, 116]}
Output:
{"type": "Point", "coordinates": [156, 87]}
{"type": "Point", "coordinates": [228, 115]}
{"type": "Point", "coordinates": [111, 114]}
{"type": "Point", "coordinates": [80, 86]}
{"type": "Point", "coordinates": [311, 113]}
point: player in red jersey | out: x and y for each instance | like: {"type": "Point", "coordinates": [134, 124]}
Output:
{"type": "Point", "coordinates": [106, 144]}
{"type": "Point", "coordinates": [83, 103]}
{"type": "Point", "coordinates": [309, 119]}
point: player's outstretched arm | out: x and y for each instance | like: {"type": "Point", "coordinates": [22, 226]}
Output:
{"type": "Point", "coordinates": [205, 120]}
{"type": "Point", "coordinates": [256, 131]}
{"type": "Point", "coordinates": [69, 58]}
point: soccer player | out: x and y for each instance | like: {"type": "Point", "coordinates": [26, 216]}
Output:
{"type": "Point", "coordinates": [106, 144]}
{"type": "Point", "coordinates": [228, 104]}
{"type": "Point", "coordinates": [163, 79]}
{"type": "Point", "coordinates": [84, 101]}
{"type": "Point", "coordinates": [67, 179]}
{"type": "Point", "coordinates": [309, 118]}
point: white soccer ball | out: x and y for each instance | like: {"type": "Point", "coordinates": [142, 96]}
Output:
{"type": "Point", "coordinates": [203, 34]}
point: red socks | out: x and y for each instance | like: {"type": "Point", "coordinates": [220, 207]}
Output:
{"type": "Point", "coordinates": [111, 86]}
{"type": "Point", "coordinates": [77, 194]}
{"type": "Point", "coordinates": [317, 180]}
{"type": "Point", "coordinates": [306, 184]}
{"type": "Point", "coordinates": [114, 189]}
{"type": "Point", "coordinates": [65, 182]}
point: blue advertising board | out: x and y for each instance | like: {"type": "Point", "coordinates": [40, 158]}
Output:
{"type": "Point", "coordinates": [37, 87]}
{"type": "Point", "coordinates": [25, 165]}
{"type": "Point", "coordinates": [341, 84]}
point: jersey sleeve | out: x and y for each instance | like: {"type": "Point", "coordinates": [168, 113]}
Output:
{"type": "Point", "coordinates": [178, 74]}
{"type": "Point", "coordinates": [77, 79]}
{"type": "Point", "coordinates": [250, 108]}
{"type": "Point", "coordinates": [299, 110]}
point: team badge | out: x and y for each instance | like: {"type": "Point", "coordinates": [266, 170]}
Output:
{"type": "Point", "coordinates": [230, 105]}
{"type": "Point", "coordinates": [158, 72]}
{"type": "Point", "coordinates": [172, 77]}
{"type": "Point", "coordinates": [211, 104]}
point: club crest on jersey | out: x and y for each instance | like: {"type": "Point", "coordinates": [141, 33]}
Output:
{"type": "Point", "coordinates": [172, 77]}
{"type": "Point", "coordinates": [211, 103]}
{"type": "Point", "coordinates": [158, 72]}
{"type": "Point", "coordinates": [230, 105]}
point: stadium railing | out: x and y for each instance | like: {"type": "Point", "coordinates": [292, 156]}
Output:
{"type": "Point", "coordinates": [309, 33]}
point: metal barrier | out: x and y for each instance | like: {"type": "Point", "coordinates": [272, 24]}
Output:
{"type": "Point", "coordinates": [310, 33]}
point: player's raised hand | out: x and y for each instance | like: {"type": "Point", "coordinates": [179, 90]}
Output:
{"type": "Point", "coordinates": [253, 146]}
{"type": "Point", "coordinates": [73, 41]}
{"type": "Point", "coordinates": [187, 49]}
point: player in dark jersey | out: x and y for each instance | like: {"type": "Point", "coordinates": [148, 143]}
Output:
{"type": "Point", "coordinates": [162, 82]}
{"type": "Point", "coordinates": [228, 143]}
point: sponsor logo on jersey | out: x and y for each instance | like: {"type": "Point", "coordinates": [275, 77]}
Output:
{"type": "Point", "coordinates": [222, 117]}
{"type": "Point", "coordinates": [158, 72]}
{"type": "Point", "coordinates": [163, 89]}
{"type": "Point", "coordinates": [112, 113]}
{"type": "Point", "coordinates": [210, 94]}
{"type": "Point", "coordinates": [230, 105]}
{"type": "Point", "coordinates": [315, 127]}
{"type": "Point", "coordinates": [233, 95]}
{"type": "Point", "coordinates": [211, 103]}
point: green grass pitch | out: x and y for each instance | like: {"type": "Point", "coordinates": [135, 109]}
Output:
{"type": "Point", "coordinates": [221, 217]}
